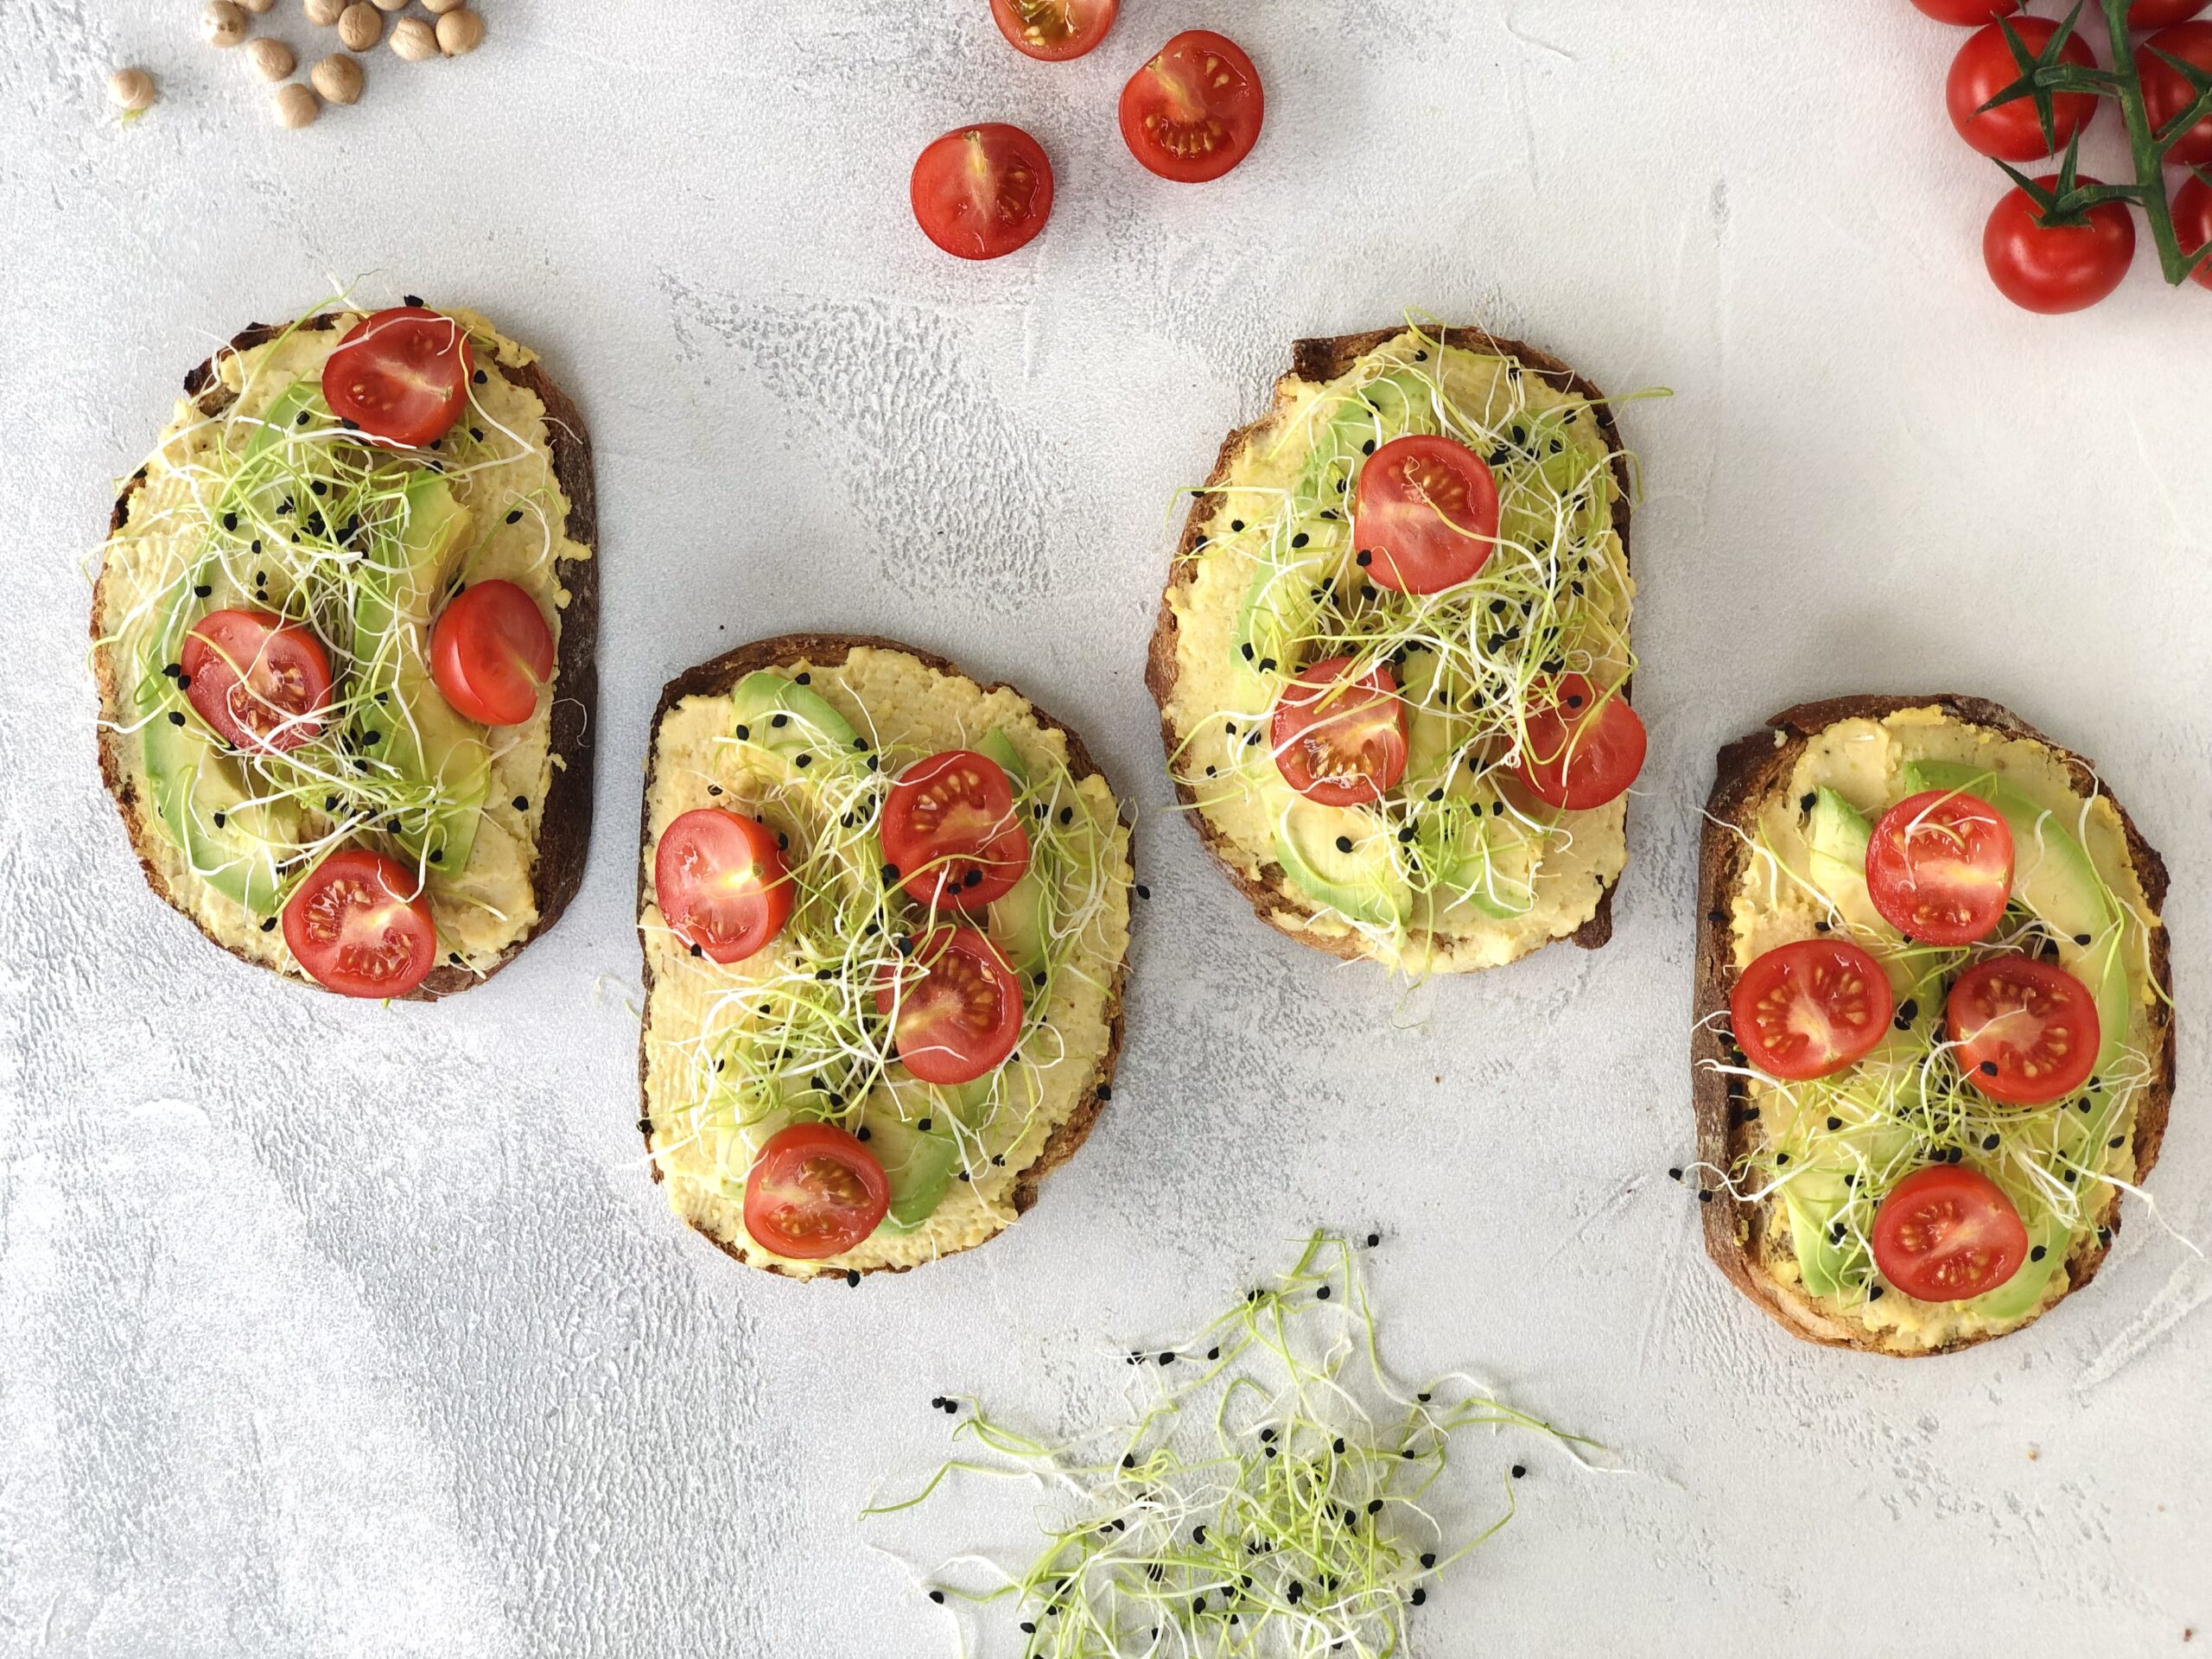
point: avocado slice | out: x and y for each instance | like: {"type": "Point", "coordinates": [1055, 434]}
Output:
{"type": "Point", "coordinates": [1489, 869]}
{"type": "Point", "coordinates": [1839, 836]}
{"type": "Point", "coordinates": [2026, 1288]}
{"type": "Point", "coordinates": [1021, 922]}
{"type": "Point", "coordinates": [919, 1163]}
{"type": "Point", "coordinates": [202, 799]}
{"type": "Point", "coordinates": [1278, 613]}
{"type": "Point", "coordinates": [1814, 1199]}
{"type": "Point", "coordinates": [1434, 735]}
{"type": "Point", "coordinates": [789, 721]}
{"type": "Point", "coordinates": [997, 746]}
{"type": "Point", "coordinates": [1340, 857]}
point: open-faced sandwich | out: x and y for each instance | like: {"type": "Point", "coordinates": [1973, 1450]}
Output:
{"type": "Point", "coordinates": [886, 917]}
{"type": "Point", "coordinates": [1392, 658]}
{"type": "Point", "coordinates": [343, 636]}
{"type": "Point", "coordinates": [1936, 1035]}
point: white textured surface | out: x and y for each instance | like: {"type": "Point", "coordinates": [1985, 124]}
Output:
{"type": "Point", "coordinates": [328, 1329]}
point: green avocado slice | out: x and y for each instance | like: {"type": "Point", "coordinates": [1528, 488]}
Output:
{"type": "Point", "coordinates": [1340, 857]}
{"type": "Point", "coordinates": [201, 798]}
{"type": "Point", "coordinates": [919, 1163]}
{"type": "Point", "coordinates": [791, 722]}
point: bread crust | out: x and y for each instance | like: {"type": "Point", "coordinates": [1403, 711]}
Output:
{"type": "Point", "coordinates": [716, 677]}
{"type": "Point", "coordinates": [565, 824]}
{"type": "Point", "coordinates": [1314, 361]}
{"type": "Point", "coordinates": [1747, 771]}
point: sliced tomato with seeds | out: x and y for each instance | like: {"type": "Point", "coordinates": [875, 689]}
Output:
{"type": "Point", "coordinates": [951, 834]}
{"type": "Point", "coordinates": [1054, 30]}
{"type": "Point", "coordinates": [721, 883]}
{"type": "Point", "coordinates": [360, 924]}
{"type": "Point", "coordinates": [1583, 748]}
{"type": "Point", "coordinates": [2027, 1031]}
{"type": "Point", "coordinates": [1946, 1233]}
{"type": "Point", "coordinates": [2013, 132]}
{"type": "Point", "coordinates": [1424, 516]}
{"type": "Point", "coordinates": [401, 375]}
{"type": "Point", "coordinates": [1939, 867]}
{"type": "Point", "coordinates": [813, 1192]}
{"type": "Point", "coordinates": [981, 192]}
{"type": "Point", "coordinates": [491, 653]}
{"type": "Point", "coordinates": [1806, 1009]}
{"type": "Point", "coordinates": [1193, 111]}
{"type": "Point", "coordinates": [955, 1006]}
{"type": "Point", "coordinates": [1339, 738]}
{"type": "Point", "coordinates": [258, 680]}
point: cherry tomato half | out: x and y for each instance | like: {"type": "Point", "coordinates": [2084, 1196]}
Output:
{"type": "Point", "coordinates": [2159, 14]}
{"type": "Point", "coordinates": [1946, 1233]}
{"type": "Point", "coordinates": [951, 832]}
{"type": "Point", "coordinates": [2027, 1031]}
{"type": "Point", "coordinates": [2166, 94]}
{"type": "Point", "coordinates": [1806, 1009]}
{"type": "Point", "coordinates": [1338, 740]}
{"type": "Point", "coordinates": [2012, 132]}
{"type": "Point", "coordinates": [257, 680]}
{"type": "Point", "coordinates": [814, 1192]}
{"type": "Point", "coordinates": [1054, 30]}
{"type": "Point", "coordinates": [1967, 13]}
{"type": "Point", "coordinates": [491, 653]}
{"type": "Point", "coordinates": [1939, 867]}
{"type": "Point", "coordinates": [360, 925]}
{"type": "Point", "coordinates": [1582, 749]}
{"type": "Point", "coordinates": [982, 191]}
{"type": "Point", "coordinates": [1425, 515]}
{"type": "Point", "coordinates": [1194, 110]}
{"type": "Point", "coordinates": [721, 883]}
{"type": "Point", "coordinates": [2192, 211]}
{"type": "Point", "coordinates": [2054, 268]}
{"type": "Point", "coordinates": [955, 1006]}
{"type": "Point", "coordinates": [401, 375]}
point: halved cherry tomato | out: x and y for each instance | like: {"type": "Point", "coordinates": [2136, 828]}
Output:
{"type": "Point", "coordinates": [1946, 1233]}
{"type": "Point", "coordinates": [2158, 14]}
{"type": "Point", "coordinates": [955, 1004]}
{"type": "Point", "coordinates": [1806, 1009]}
{"type": "Point", "coordinates": [1582, 749]}
{"type": "Point", "coordinates": [814, 1192]}
{"type": "Point", "coordinates": [982, 191]}
{"type": "Point", "coordinates": [1054, 30]}
{"type": "Point", "coordinates": [721, 883]}
{"type": "Point", "coordinates": [2192, 211]}
{"type": "Point", "coordinates": [1986, 67]}
{"type": "Point", "coordinates": [401, 375]}
{"type": "Point", "coordinates": [360, 924]}
{"type": "Point", "coordinates": [1425, 515]}
{"type": "Point", "coordinates": [2027, 1031]}
{"type": "Point", "coordinates": [1194, 110]}
{"type": "Point", "coordinates": [257, 680]}
{"type": "Point", "coordinates": [1967, 13]}
{"type": "Point", "coordinates": [2166, 94]}
{"type": "Point", "coordinates": [950, 831]}
{"type": "Point", "coordinates": [491, 653]}
{"type": "Point", "coordinates": [2053, 269]}
{"type": "Point", "coordinates": [1939, 867]}
{"type": "Point", "coordinates": [1338, 740]}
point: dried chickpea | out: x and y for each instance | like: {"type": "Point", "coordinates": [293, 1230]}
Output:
{"type": "Point", "coordinates": [361, 26]}
{"type": "Point", "coordinates": [223, 22]}
{"type": "Point", "coordinates": [257, 7]}
{"type": "Point", "coordinates": [459, 31]}
{"type": "Point", "coordinates": [414, 39]}
{"type": "Point", "coordinates": [297, 106]}
{"type": "Point", "coordinates": [323, 13]}
{"type": "Point", "coordinates": [131, 90]}
{"type": "Point", "coordinates": [338, 77]}
{"type": "Point", "coordinates": [440, 7]}
{"type": "Point", "coordinates": [271, 60]}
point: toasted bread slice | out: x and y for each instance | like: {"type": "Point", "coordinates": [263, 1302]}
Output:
{"type": "Point", "coordinates": [1747, 1237]}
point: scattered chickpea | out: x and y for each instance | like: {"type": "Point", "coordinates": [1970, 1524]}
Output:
{"type": "Point", "coordinates": [257, 7]}
{"type": "Point", "coordinates": [223, 22]}
{"type": "Point", "coordinates": [296, 104]}
{"type": "Point", "coordinates": [414, 39]}
{"type": "Point", "coordinates": [338, 77]}
{"type": "Point", "coordinates": [323, 13]}
{"type": "Point", "coordinates": [271, 60]}
{"type": "Point", "coordinates": [390, 5]}
{"type": "Point", "coordinates": [131, 90]}
{"type": "Point", "coordinates": [361, 26]}
{"type": "Point", "coordinates": [459, 31]}
{"type": "Point", "coordinates": [440, 7]}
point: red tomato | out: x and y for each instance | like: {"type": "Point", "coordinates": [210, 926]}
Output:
{"type": "Point", "coordinates": [401, 375]}
{"type": "Point", "coordinates": [814, 1192]}
{"type": "Point", "coordinates": [951, 833]}
{"type": "Point", "coordinates": [1340, 741]}
{"type": "Point", "coordinates": [1986, 67]}
{"type": "Point", "coordinates": [1054, 30]}
{"type": "Point", "coordinates": [1582, 750]}
{"type": "Point", "coordinates": [491, 653]}
{"type": "Point", "coordinates": [955, 1006]}
{"type": "Point", "coordinates": [2192, 211]}
{"type": "Point", "coordinates": [1804, 1010]}
{"type": "Point", "coordinates": [1424, 516]}
{"type": "Point", "coordinates": [1194, 112]}
{"type": "Point", "coordinates": [256, 679]}
{"type": "Point", "coordinates": [2056, 268]}
{"type": "Point", "coordinates": [1966, 13]}
{"type": "Point", "coordinates": [2026, 1031]}
{"type": "Point", "coordinates": [982, 191]}
{"type": "Point", "coordinates": [1940, 867]}
{"type": "Point", "coordinates": [2158, 14]}
{"type": "Point", "coordinates": [721, 883]}
{"type": "Point", "coordinates": [2165, 94]}
{"type": "Point", "coordinates": [1946, 1233]}
{"type": "Point", "coordinates": [360, 924]}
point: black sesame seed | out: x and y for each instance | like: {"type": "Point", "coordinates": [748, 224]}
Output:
{"type": "Point", "coordinates": [1987, 1068]}
{"type": "Point", "coordinates": [2038, 1254]}
{"type": "Point", "coordinates": [802, 760]}
{"type": "Point", "coordinates": [924, 1126]}
{"type": "Point", "coordinates": [1067, 816]}
{"type": "Point", "coordinates": [743, 733]}
{"type": "Point", "coordinates": [1428, 1557]}
{"type": "Point", "coordinates": [203, 589]}
{"type": "Point", "coordinates": [1419, 1596]}
{"type": "Point", "coordinates": [852, 1277]}
{"type": "Point", "coordinates": [1874, 1293]}
{"type": "Point", "coordinates": [864, 1133]}
{"type": "Point", "coordinates": [1835, 1122]}
{"type": "Point", "coordinates": [1300, 539]}
{"type": "Point", "coordinates": [1344, 844]}
{"type": "Point", "coordinates": [479, 377]}
{"type": "Point", "coordinates": [1143, 891]}
{"type": "Point", "coordinates": [177, 717]}
{"type": "Point", "coordinates": [218, 820]}
{"type": "Point", "coordinates": [269, 924]}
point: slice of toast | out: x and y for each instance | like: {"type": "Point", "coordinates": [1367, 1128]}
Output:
{"type": "Point", "coordinates": [1274, 899]}
{"type": "Point", "coordinates": [1751, 772]}
{"type": "Point", "coordinates": [564, 823]}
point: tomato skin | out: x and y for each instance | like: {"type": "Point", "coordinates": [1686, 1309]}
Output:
{"type": "Point", "coordinates": [814, 1192]}
{"type": "Point", "coordinates": [1967, 13]}
{"type": "Point", "coordinates": [1810, 1008]}
{"type": "Point", "coordinates": [1193, 111]}
{"type": "Point", "coordinates": [1985, 67]}
{"type": "Point", "coordinates": [360, 926]}
{"type": "Point", "coordinates": [1939, 867]}
{"type": "Point", "coordinates": [721, 883]}
{"type": "Point", "coordinates": [1582, 750]}
{"type": "Point", "coordinates": [2027, 1031]}
{"type": "Point", "coordinates": [2055, 269]}
{"type": "Point", "coordinates": [1425, 514]}
{"type": "Point", "coordinates": [1946, 1233]}
{"type": "Point", "coordinates": [957, 1006]}
{"type": "Point", "coordinates": [2159, 14]}
{"type": "Point", "coordinates": [2192, 211]}
{"type": "Point", "coordinates": [981, 192]}
{"type": "Point", "coordinates": [256, 679]}
{"type": "Point", "coordinates": [1341, 750]}
{"type": "Point", "coordinates": [2165, 94]}
{"type": "Point", "coordinates": [491, 652]}
{"type": "Point", "coordinates": [949, 828]}
{"type": "Point", "coordinates": [1053, 31]}
{"type": "Point", "coordinates": [401, 375]}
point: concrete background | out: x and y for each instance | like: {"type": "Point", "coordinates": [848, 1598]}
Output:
{"type": "Point", "coordinates": [340, 1330]}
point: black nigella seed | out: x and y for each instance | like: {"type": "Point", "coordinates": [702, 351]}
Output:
{"type": "Point", "coordinates": [269, 924]}
{"type": "Point", "coordinates": [852, 1277]}
{"type": "Point", "coordinates": [1419, 1596]}
{"type": "Point", "coordinates": [351, 426]}
{"type": "Point", "coordinates": [1781, 1157]}
{"type": "Point", "coordinates": [1704, 1195]}
{"type": "Point", "coordinates": [203, 589]}
{"type": "Point", "coordinates": [780, 721]}
{"type": "Point", "coordinates": [477, 433]}
{"type": "Point", "coordinates": [801, 761]}
{"type": "Point", "coordinates": [1067, 816]}
{"type": "Point", "coordinates": [1300, 540]}
{"type": "Point", "coordinates": [1104, 1092]}
{"type": "Point", "coordinates": [1519, 1470]}
{"type": "Point", "coordinates": [1143, 891]}
{"type": "Point", "coordinates": [1987, 1068]}
{"type": "Point", "coordinates": [924, 1126]}
{"type": "Point", "coordinates": [176, 718]}
{"type": "Point", "coordinates": [1166, 1358]}
{"type": "Point", "coordinates": [1235, 523]}
{"type": "Point", "coordinates": [644, 1125]}
{"type": "Point", "coordinates": [2116, 1141]}
{"type": "Point", "coordinates": [864, 1133]}
{"type": "Point", "coordinates": [438, 856]}
{"type": "Point", "coordinates": [522, 803]}
{"type": "Point", "coordinates": [1805, 802]}
{"type": "Point", "coordinates": [891, 873]}
{"type": "Point", "coordinates": [938, 1596]}
{"type": "Point", "coordinates": [184, 682]}
{"type": "Point", "coordinates": [479, 377]}
{"type": "Point", "coordinates": [515, 517]}
{"type": "Point", "coordinates": [1874, 1293]}
{"type": "Point", "coordinates": [1375, 1506]}
{"type": "Point", "coordinates": [320, 487]}
{"type": "Point", "coordinates": [2037, 1254]}
{"type": "Point", "coordinates": [1365, 558]}
{"type": "Point", "coordinates": [1835, 1122]}
{"type": "Point", "coordinates": [1989, 1142]}
{"type": "Point", "coordinates": [1420, 357]}
{"type": "Point", "coordinates": [1128, 1460]}
{"type": "Point", "coordinates": [1322, 1294]}
{"type": "Point", "coordinates": [1344, 844]}
{"type": "Point", "coordinates": [1821, 927]}
{"type": "Point", "coordinates": [1675, 1173]}
{"type": "Point", "coordinates": [330, 803]}
{"type": "Point", "coordinates": [744, 732]}
{"type": "Point", "coordinates": [218, 820]}
{"type": "Point", "coordinates": [713, 788]}
{"type": "Point", "coordinates": [1557, 446]}
{"type": "Point", "coordinates": [696, 951]}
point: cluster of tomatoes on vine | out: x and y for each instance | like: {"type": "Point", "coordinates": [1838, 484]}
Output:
{"type": "Point", "coordinates": [1191, 113]}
